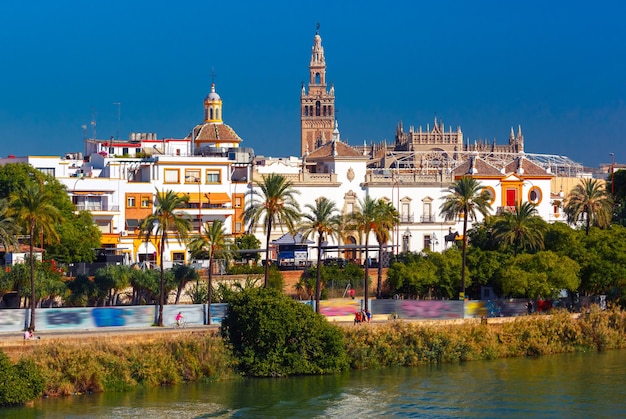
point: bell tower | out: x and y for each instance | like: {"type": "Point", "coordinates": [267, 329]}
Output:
{"type": "Point", "coordinates": [317, 105]}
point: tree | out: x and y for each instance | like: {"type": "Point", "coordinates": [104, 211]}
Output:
{"type": "Point", "coordinates": [522, 229]}
{"type": "Point", "coordinates": [387, 218]}
{"type": "Point", "coordinates": [272, 202]}
{"type": "Point", "coordinates": [543, 274]}
{"type": "Point", "coordinates": [590, 203]}
{"type": "Point", "coordinates": [78, 236]}
{"type": "Point", "coordinates": [323, 220]}
{"type": "Point", "coordinates": [8, 228]}
{"type": "Point", "coordinates": [247, 242]}
{"type": "Point", "coordinates": [466, 199]}
{"type": "Point", "coordinates": [33, 209]}
{"type": "Point", "coordinates": [166, 221]}
{"type": "Point", "coordinates": [363, 220]}
{"type": "Point", "coordinates": [183, 274]}
{"type": "Point", "coordinates": [213, 243]}
{"type": "Point", "coordinates": [272, 335]}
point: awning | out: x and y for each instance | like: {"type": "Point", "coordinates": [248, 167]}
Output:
{"type": "Point", "coordinates": [109, 239]}
{"type": "Point", "coordinates": [88, 192]}
{"type": "Point", "coordinates": [207, 197]}
{"type": "Point", "coordinates": [218, 197]}
{"type": "Point", "coordinates": [132, 223]}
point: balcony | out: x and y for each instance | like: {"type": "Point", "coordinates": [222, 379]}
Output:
{"type": "Point", "coordinates": [428, 219]}
{"type": "Point", "coordinates": [407, 218]}
{"type": "Point", "coordinates": [93, 207]}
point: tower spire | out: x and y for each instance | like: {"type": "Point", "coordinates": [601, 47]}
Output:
{"type": "Point", "coordinates": [317, 104]}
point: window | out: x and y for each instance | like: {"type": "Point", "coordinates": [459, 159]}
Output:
{"type": "Point", "coordinates": [172, 176]}
{"type": "Point", "coordinates": [427, 241]}
{"type": "Point", "coordinates": [192, 176]}
{"type": "Point", "coordinates": [178, 257]}
{"type": "Point", "coordinates": [238, 227]}
{"type": "Point", "coordinates": [492, 194]}
{"type": "Point", "coordinates": [47, 170]}
{"type": "Point", "coordinates": [534, 195]}
{"type": "Point", "coordinates": [104, 226]}
{"type": "Point", "coordinates": [125, 151]}
{"type": "Point", "coordinates": [130, 202]}
{"type": "Point", "coordinates": [213, 176]}
{"type": "Point", "coordinates": [146, 201]}
{"type": "Point", "coordinates": [237, 202]}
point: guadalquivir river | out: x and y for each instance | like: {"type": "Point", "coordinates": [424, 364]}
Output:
{"type": "Point", "coordinates": [588, 385]}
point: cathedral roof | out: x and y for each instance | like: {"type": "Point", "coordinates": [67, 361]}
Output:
{"type": "Point", "coordinates": [334, 149]}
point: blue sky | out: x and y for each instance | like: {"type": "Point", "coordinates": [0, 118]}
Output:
{"type": "Point", "coordinates": [556, 68]}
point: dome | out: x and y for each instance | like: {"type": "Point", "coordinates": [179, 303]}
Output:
{"type": "Point", "coordinates": [213, 95]}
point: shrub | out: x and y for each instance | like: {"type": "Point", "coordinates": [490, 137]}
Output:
{"type": "Point", "coordinates": [20, 382]}
{"type": "Point", "coordinates": [273, 335]}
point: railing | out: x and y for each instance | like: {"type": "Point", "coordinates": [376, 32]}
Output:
{"type": "Point", "coordinates": [427, 219]}
{"type": "Point", "coordinates": [96, 207]}
{"type": "Point", "coordinates": [406, 218]}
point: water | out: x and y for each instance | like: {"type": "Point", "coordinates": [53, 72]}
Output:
{"type": "Point", "coordinates": [570, 385]}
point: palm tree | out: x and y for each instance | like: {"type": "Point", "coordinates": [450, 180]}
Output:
{"type": "Point", "coordinates": [166, 221]}
{"type": "Point", "coordinates": [272, 203]}
{"type": "Point", "coordinates": [212, 243]}
{"type": "Point", "coordinates": [465, 199]}
{"type": "Point", "coordinates": [387, 218]}
{"type": "Point", "coordinates": [323, 220]}
{"type": "Point", "coordinates": [590, 202]}
{"type": "Point", "coordinates": [522, 229]}
{"type": "Point", "coordinates": [32, 208]}
{"type": "Point", "coordinates": [8, 228]}
{"type": "Point", "coordinates": [363, 220]}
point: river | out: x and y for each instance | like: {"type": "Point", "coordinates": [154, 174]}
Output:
{"type": "Point", "coordinates": [581, 385]}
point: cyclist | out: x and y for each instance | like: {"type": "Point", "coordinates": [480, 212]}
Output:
{"type": "Point", "coordinates": [179, 319]}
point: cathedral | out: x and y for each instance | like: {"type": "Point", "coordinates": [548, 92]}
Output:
{"type": "Point", "coordinates": [433, 147]}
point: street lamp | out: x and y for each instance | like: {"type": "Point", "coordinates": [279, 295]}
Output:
{"type": "Point", "coordinates": [199, 205]}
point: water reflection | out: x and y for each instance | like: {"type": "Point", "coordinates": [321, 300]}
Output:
{"type": "Point", "coordinates": [572, 385]}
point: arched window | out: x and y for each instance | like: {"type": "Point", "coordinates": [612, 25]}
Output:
{"type": "Point", "coordinates": [306, 111]}
{"type": "Point", "coordinates": [211, 113]}
{"type": "Point", "coordinates": [324, 110]}
{"type": "Point", "coordinates": [317, 78]}
{"type": "Point", "coordinates": [330, 110]}
{"type": "Point", "coordinates": [317, 108]}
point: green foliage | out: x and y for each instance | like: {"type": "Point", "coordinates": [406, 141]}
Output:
{"type": "Point", "coordinates": [275, 278]}
{"type": "Point", "coordinates": [245, 269]}
{"type": "Point", "coordinates": [20, 382]}
{"type": "Point", "coordinates": [247, 242]}
{"type": "Point", "coordinates": [272, 335]}
{"type": "Point", "coordinates": [540, 275]}
{"type": "Point", "coordinates": [331, 276]}
{"type": "Point", "coordinates": [78, 236]}
{"type": "Point", "coordinates": [432, 275]}
{"type": "Point", "coordinates": [273, 201]}
{"type": "Point", "coordinates": [119, 364]}
{"type": "Point", "coordinates": [590, 204]}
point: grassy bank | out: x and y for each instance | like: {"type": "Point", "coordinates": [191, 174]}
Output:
{"type": "Point", "coordinates": [117, 365]}
{"type": "Point", "coordinates": [412, 343]}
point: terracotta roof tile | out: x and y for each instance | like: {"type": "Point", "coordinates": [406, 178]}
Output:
{"type": "Point", "coordinates": [341, 150]}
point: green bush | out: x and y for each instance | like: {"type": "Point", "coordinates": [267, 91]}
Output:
{"type": "Point", "coordinates": [273, 335]}
{"type": "Point", "coordinates": [20, 382]}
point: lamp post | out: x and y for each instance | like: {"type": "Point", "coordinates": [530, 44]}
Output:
{"type": "Point", "coordinates": [199, 206]}
{"type": "Point", "coordinates": [396, 185]}
{"type": "Point", "coordinates": [612, 173]}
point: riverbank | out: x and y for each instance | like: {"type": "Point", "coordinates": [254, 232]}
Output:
{"type": "Point", "coordinates": [80, 363]}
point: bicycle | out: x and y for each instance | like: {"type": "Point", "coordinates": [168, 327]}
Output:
{"type": "Point", "coordinates": [182, 323]}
